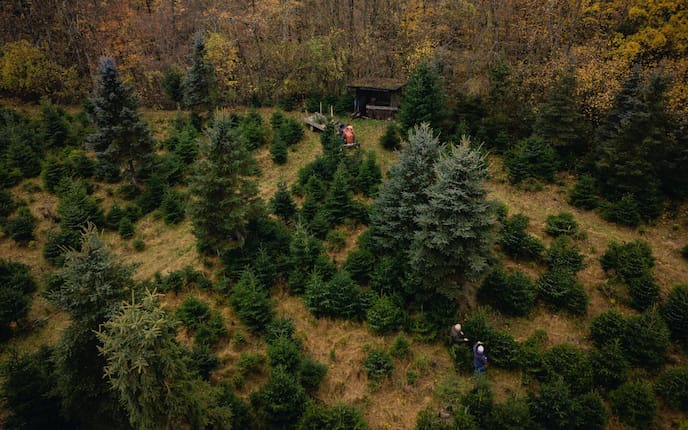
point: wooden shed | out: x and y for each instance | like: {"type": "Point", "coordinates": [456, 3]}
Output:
{"type": "Point", "coordinates": [376, 97]}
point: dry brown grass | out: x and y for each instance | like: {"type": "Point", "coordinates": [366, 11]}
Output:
{"type": "Point", "coordinates": [341, 344]}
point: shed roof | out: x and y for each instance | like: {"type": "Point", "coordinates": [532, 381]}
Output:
{"type": "Point", "coordinates": [382, 84]}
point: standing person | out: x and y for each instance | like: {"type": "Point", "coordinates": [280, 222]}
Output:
{"type": "Point", "coordinates": [479, 357]}
{"type": "Point", "coordinates": [456, 335]}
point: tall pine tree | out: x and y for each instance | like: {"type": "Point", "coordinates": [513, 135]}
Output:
{"type": "Point", "coordinates": [148, 369]}
{"type": "Point", "coordinates": [559, 122]}
{"type": "Point", "coordinates": [394, 213]}
{"type": "Point", "coordinates": [200, 80]}
{"type": "Point", "coordinates": [92, 285]}
{"type": "Point", "coordinates": [634, 142]}
{"type": "Point", "coordinates": [223, 196]}
{"type": "Point", "coordinates": [423, 100]}
{"type": "Point", "coordinates": [455, 237]}
{"type": "Point", "coordinates": [121, 136]}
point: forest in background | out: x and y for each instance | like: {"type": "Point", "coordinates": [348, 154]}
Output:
{"type": "Point", "coordinates": [298, 288]}
{"type": "Point", "coordinates": [270, 51]}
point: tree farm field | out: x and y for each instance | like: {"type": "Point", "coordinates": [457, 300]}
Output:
{"type": "Point", "coordinates": [392, 403]}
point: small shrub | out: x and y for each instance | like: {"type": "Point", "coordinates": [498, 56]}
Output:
{"type": "Point", "coordinates": [210, 332]}
{"type": "Point", "coordinates": [629, 260]}
{"type": "Point", "coordinates": [337, 417]}
{"type": "Point", "coordinates": [278, 151]}
{"type": "Point", "coordinates": [401, 347]}
{"type": "Point", "coordinates": [282, 204]}
{"type": "Point", "coordinates": [360, 263]}
{"type": "Point", "coordinates": [193, 312]}
{"type": "Point", "coordinates": [285, 353]}
{"type": "Point", "coordinates": [584, 194]}
{"type": "Point", "coordinates": [644, 292]}
{"type": "Point", "coordinates": [502, 350]}
{"type": "Point", "coordinates": [126, 228]}
{"type": "Point", "coordinates": [16, 287]}
{"type": "Point", "coordinates": [553, 407]}
{"type": "Point", "coordinates": [635, 404]}
{"type": "Point", "coordinates": [391, 139]}
{"type": "Point", "coordinates": [172, 207]}
{"type": "Point", "coordinates": [250, 363]}
{"type": "Point", "coordinates": [517, 243]}
{"type": "Point", "coordinates": [675, 311]}
{"type": "Point", "coordinates": [250, 301]}
{"type": "Point", "coordinates": [7, 204]}
{"type": "Point", "coordinates": [378, 364]}
{"type": "Point", "coordinates": [311, 373]}
{"type": "Point", "coordinates": [479, 401]}
{"type": "Point", "coordinates": [672, 387]}
{"type": "Point", "coordinates": [513, 294]}
{"type": "Point", "coordinates": [608, 327]}
{"type": "Point", "coordinates": [625, 211]}
{"type": "Point", "coordinates": [560, 290]}
{"type": "Point", "coordinates": [513, 414]}
{"type": "Point", "coordinates": [684, 252]}
{"type": "Point", "coordinates": [204, 361]}
{"type": "Point", "coordinates": [139, 245]}
{"type": "Point", "coordinates": [589, 412]}
{"type": "Point", "coordinates": [562, 224]}
{"type": "Point", "coordinates": [531, 158]}
{"type": "Point", "coordinates": [385, 316]}
{"type": "Point", "coordinates": [336, 240]}
{"type": "Point", "coordinates": [339, 297]}
{"type": "Point", "coordinates": [281, 401]}
{"type": "Point", "coordinates": [610, 367]}
{"type": "Point", "coordinates": [279, 328]}
{"type": "Point", "coordinates": [21, 226]}
{"type": "Point", "coordinates": [564, 254]}
{"type": "Point", "coordinates": [113, 217]}
{"type": "Point", "coordinates": [646, 339]}
{"type": "Point", "coordinates": [57, 243]}
{"type": "Point", "coordinates": [572, 364]}
{"type": "Point", "coordinates": [428, 419]}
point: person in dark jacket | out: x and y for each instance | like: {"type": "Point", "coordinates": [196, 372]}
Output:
{"type": "Point", "coordinates": [479, 357]}
{"type": "Point", "coordinates": [456, 335]}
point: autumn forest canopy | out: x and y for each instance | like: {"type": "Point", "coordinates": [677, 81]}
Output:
{"type": "Point", "coordinates": [179, 250]}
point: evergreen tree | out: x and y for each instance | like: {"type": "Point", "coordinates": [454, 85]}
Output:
{"type": "Point", "coordinates": [148, 369]}
{"type": "Point", "coordinates": [369, 175]}
{"type": "Point", "coordinates": [172, 82]}
{"type": "Point", "coordinates": [333, 153]}
{"type": "Point", "coordinates": [281, 401]}
{"type": "Point", "coordinates": [559, 122]}
{"type": "Point", "coordinates": [21, 226]}
{"type": "Point", "coordinates": [391, 139]}
{"type": "Point", "coordinates": [338, 200]}
{"type": "Point", "coordinates": [76, 208]}
{"type": "Point", "coordinates": [633, 143]}
{"type": "Point", "coordinates": [250, 301]}
{"type": "Point", "coordinates": [394, 214]}
{"type": "Point", "coordinates": [282, 204]}
{"type": "Point", "coordinates": [125, 228]}
{"type": "Point", "coordinates": [172, 206]}
{"type": "Point", "coordinates": [54, 170]}
{"type": "Point", "coordinates": [16, 287]}
{"type": "Point", "coordinates": [54, 125]}
{"type": "Point", "coordinates": [223, 197]}
{"type": "Point", "coordinates": [423, 100]}
{"type": "Point", "coordinates": [200, 80]}
{"type": "Point", "coordinates": [584, 194]}
{"type": "Point", "coordinates": [455, 237]}
{"type": "Point", "coordinates": [91, 287]}
{"type": "Point", "coordinates": [278, 150]}
{"type": "Point", "coordinates": [121, 136]}
{"type": "Point", "coordinates": [675, 311]}
{"type": "Point", "coordinates": [304, 250]}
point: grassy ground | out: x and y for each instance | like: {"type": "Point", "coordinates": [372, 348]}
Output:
{"type": "Point", "coordinates": [394, 403]}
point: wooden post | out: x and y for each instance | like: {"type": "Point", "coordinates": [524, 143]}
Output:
{"type": "Point", "coordinates": [331, 111]}
{"type": "Point", "coordinates": [320, 108]}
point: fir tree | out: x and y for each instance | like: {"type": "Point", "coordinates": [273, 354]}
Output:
{"type": "Point", "coordinates": [125, 228]}
{"type": "Point", "coordinates": [121, 136]}
{"type": "Point", "coordinates": [333, 153]}
{"type": "Point", "coordinates": [584, 194]}
{"type": "Point", "coordinates": [54, 170]}
{"type": "Point", "coordinates": [278, 150]}
{"type": "Point", "coordinates": [172, 206]}
{"type": "Point", "coordinates": [91, 286]}
{"type": "Point", "coordinates": [304, 250]}
{"type": "Point", "coordinates": [282, 204]}
{"type": "Point", "coordinates": [172, 82]}
{"type": "Point", "coordinates": [338, 200]}
{"type": "Point", "coordinates": [393, 217]}
{"type": "Point", "coordinates": [391, 139]}
{"type": "Point", "coordinates": [634, 140]}
{"type": "Point", "coordinates": [455, 237]}
{"type": "Point", "coordinates": [423, 100]}
{"type": "Point", "coordinates": [148, 369]}
{"type": "Point", "coordinates": [223, 197]}
{"type": "Point", "coordinates": [369, 175]}
{"type": "Point", "coordinates": [54, 125]}
{"type": "Point", "coordinates": [200, 80]}
{"type": "Point", "coordinates": [559, 122]}
{"type": "Point", "coordinates": [76, 208]}
{"type": "Point", "coordinates": [250, 301]}
{"type": "Point", "coordinates": [16, 286]}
